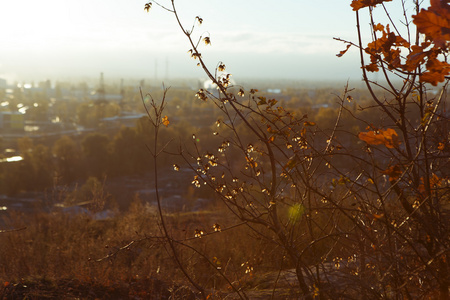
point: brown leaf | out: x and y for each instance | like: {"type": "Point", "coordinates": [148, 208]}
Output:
{"type": "Point", "coordinates": [436, 71]}
{"type": "Point", "coordinates": [434, 22]}
{"type": "Point", "coordinates": [372, 67]}
{"type": "Point", "coordinates": [340, 54]}
{"type": "Point", "coordinates": [394, 172]}
{"type": "Point", "coordinates": [387, 137]}
{"type": "Point", "coordinates": [378, 27]}
{"type": "Point", "coordinates": [165, 121]}
{"type": "Point", "coordinates": [416, 57]}
{"type": "Point", "coordinates": [358, 4]}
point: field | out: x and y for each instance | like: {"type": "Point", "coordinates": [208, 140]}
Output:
{"type": "Point", "coordinates": [66, 255]}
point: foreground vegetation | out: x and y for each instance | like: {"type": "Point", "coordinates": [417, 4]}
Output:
{"type": "Point", "coordinates": [305, 208]}
{"type": "Point", "coordinates": [61, 255]}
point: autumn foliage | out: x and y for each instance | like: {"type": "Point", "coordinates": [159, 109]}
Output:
{"type": "Point", "coordinates": [382, 207]}
{"type": "Point", "coordinates": [388, 137]}
{"type": "Point", "coordinates": [358, 4]}
{"type": "Point", "coordinates": [394, 52]}
{"type": "Point", "coordinates": [353, 214]}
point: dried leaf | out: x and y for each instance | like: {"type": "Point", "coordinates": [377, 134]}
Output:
{"type": "Point", "coordinates": [378, 27]}
{"type": "Point", "coordinates": [358, 4]}
{"type": "Point", "coordinates": [436, 71]}
{"type": "Point", "coordinates": [340, 54]}
{"type": "Point", "coordinates": [394, 172]}
{"type": "Point", "coordinates": [434, 22]}
{"type": "Point", "coordinates": [372, 67]}
{"type": "Point", "coordinates": [387, 137]}
{"type": "Point", "coordinates": [165, 121]}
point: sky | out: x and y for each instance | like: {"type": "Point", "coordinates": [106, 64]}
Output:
{"type": "Point", "coordinates": [285, 39]}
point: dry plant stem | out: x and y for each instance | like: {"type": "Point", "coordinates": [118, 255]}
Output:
{"type": "Point", "coordinates": [273, 210]}
{"type": "Point", "coordinates": [127, 247]}
{"type": "Point", "coordinates": [365, 78]}
{"type": "Point", "coordinates": [417, 163]}
{"type": "Point", "coordinates": [156, 118]}
{"type": "Point", "coordinates": [240, 293]}
{"type": "Point", "coordinates": [13, 230]}
{"type": "Point", "coordinates": [384, 225]}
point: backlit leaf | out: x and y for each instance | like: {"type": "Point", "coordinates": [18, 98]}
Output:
{"type": "Point", "coordinates": [387, 137]}
{"type": "Point", "coordinates": [436, 71]}
{"type": "Point", "coordinates": [217, 227]}
{"type": "Point", "coordinates": [372, 67]}
{"type": "Point", "coordinates": [378, 27]}
{"type": "Point", "coordinates": [434, 22]}
{"type": "Point", "coordinates": [416, 57]}
{"type": "Point", "coordinates": [262, 100]}
{"type": "Point", "coordinates": [165, 121]}
{"type": "Point", "coordinates": [358, 4]}
{"type": "Point", "coordinates": [341, 53]}
{"type": "Point", "coordinates": [434, 181]}
{"type": "Point", "coordinates": [394, 172]}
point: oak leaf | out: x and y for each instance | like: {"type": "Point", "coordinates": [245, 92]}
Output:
{"type": "Point", "coordinates": [416, 57]}
{"type": "Point", "coordinates": [435, 22]}
{"type": "Point", "coordinates": [341, 53]}
{"type": "Point", "coordinates": [436, 71]}
{"type": "Point", "coordinates": [387, 137]}
{"type": "Point", "coordinates": [434, 182]}
{"type": "Point", "coordinates": [378, 27]}
{"type": "Point", "coordinates": [394, 173]}
{"type": "Point", "coordinates": [358, 4]}
{"type": "Point", "coordinates": [371, 67]}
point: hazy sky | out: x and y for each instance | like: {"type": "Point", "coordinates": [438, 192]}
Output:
{"type": "Point", "coordinates": [262, 39]}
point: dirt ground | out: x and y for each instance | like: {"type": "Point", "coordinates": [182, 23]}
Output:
{"type": "Point", "coordinates": [74, 289]}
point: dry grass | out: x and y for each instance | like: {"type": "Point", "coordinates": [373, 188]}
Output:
{"type": "Point", "coordinates": [59, 251]}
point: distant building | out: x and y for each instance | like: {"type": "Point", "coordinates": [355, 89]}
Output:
{"type": "Point", "coordinates": [106, 97]}
{"type": "Point", "coordinates": [128, 120]}
{"type": "Point", "coordinates": [12, 121]}
{"type": "Point", "coordinates": [3, 84]}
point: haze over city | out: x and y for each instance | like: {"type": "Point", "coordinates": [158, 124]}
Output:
{"type": "Point", "coordinates": [53, 39]}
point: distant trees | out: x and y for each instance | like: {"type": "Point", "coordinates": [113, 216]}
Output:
{"type": "Point", "coordinates": [34, 172]}
{"type": "Point", "coordinates": [67, 159]}
{"type": "Point", "coordinates": [129, 154]}
{"type": "Point", "coordinates": [122, 151]}
{"type": "Point", "coordinates": [42, 167]}
{"type": "Point", "coordinates": [97, 152]}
